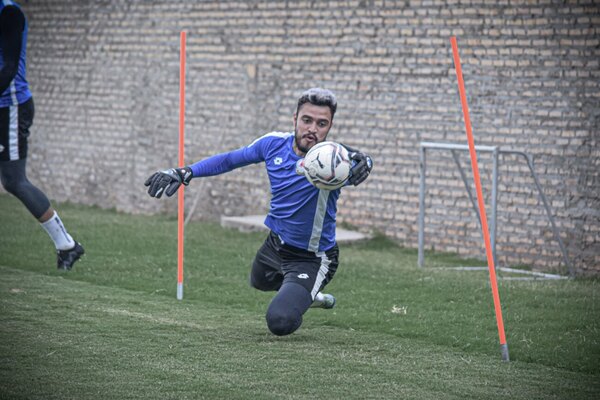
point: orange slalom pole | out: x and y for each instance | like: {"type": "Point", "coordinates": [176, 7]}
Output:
{"type": "Point", "coordinates": [484, 225]}
{"type": "Point", "coordinates": [180, 194]}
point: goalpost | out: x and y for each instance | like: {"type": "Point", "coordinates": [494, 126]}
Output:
{"type": "Point", "coordinates": [496, 153]}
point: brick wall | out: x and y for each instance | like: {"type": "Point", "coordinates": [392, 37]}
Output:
{"type": "Point", "coordinates": [105, 80]}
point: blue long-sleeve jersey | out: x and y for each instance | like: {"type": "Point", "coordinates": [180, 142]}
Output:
{"type": "Point", "coordinates": [302, 215]}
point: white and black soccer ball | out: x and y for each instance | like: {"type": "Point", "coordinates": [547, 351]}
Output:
{"type": "Point", "coordinates": [327, 165]}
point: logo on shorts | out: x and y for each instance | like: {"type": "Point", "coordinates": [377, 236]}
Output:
{"type": "Point", "coordinates": [303, 276]}
{"type": "Point", "coordinates": [1, 148]}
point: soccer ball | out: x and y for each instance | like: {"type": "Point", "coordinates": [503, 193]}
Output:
{"type": "Point", "coordinates": [327, 165]}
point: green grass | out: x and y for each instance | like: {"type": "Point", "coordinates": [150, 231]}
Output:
{"type": "Point", "coordinates": [112, 328]}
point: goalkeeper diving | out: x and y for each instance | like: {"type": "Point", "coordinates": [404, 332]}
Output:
{"type": "Point", "coordinates": [300, 254]}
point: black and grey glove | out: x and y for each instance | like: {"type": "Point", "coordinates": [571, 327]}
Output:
{"type": "Point", "coordinates": [361, 170]}
{"type": "Point", "coordinates": [168, 181]}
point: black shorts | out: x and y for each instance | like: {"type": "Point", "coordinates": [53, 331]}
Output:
{"type": "Point", "coordinates": [15, 122]}
{"type": "Point", "coordinates": [276, 263]}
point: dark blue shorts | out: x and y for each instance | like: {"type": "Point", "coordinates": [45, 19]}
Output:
{"type": "Point", "coordinates": [276, 262]}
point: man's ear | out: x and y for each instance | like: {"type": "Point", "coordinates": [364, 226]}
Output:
{"type": "Point", "coordinates": [295, 116]}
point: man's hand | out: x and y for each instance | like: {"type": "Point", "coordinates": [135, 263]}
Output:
{"type": "Point", "coordinates": [168, 181]}
{"type": "Point", "coordinates": [361, 170]}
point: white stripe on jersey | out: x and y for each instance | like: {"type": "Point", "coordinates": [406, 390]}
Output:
{"type": "Point", "coordinates": [13, 133]}
{"type": "Point", "coordinates": [283, 135]}
{"type": "Point", "coordinates": [322, 274]}
{"type": "Point", "coordinates": [317, 228]}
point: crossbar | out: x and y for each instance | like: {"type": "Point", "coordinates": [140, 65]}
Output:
{"type": "Point", "coordinates": [454, 146]}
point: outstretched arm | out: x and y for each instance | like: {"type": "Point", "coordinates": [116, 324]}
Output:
{"type": "Point", "coordinates": [225, 162]}
{"type": "Point", "coordinates": [12, 22]}
{"type": "Point", "coordinates": [168, 181]}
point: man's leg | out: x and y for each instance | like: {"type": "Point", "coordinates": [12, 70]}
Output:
{"type": "Point", "coordinates": [266, 272]}
{"type": "Point", "coordinates": [284, 315]}
{"type": "Point", "coordinates": [15, 122]}
{"type": "Point", "coordinates": [14, 180]}
{"type": "Point", "coordinates": [306, 273]}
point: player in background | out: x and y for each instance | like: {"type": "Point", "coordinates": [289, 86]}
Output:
{"type": "Point", "coordinates": [16, 117]}
{"type": "Point", "coordinates": [300, 254]}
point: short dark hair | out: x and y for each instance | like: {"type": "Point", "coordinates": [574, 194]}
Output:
{"type": "Point", "coordinates": [318, 97]}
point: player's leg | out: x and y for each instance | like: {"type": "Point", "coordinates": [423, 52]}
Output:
{"type": "Point", "coordinates": [266, 272]}
{"type": "Point", "coordinates": [306, 274]}
{"type": "Point", "coordinates": [329, 264]}
{"type": "Point", "coordinates": [284, 315]}
{"type": "Point", "coordinates": [15, 122]}
{"type": "Point", "coordinates": [15, 182]}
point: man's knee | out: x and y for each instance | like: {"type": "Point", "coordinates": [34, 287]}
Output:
{"type": "Point", "coordinates": [13, 177]}
{"type": "Point", "coordinates": [15, 182]}
{"type": "Point", "coordinates": [10, 183]}
{"type": "Point", "coordinates": [257, 283]}
{"type": "Point", "coordinates": [284, 315]}
{"type": "Point", "coordinates": [282, 322]}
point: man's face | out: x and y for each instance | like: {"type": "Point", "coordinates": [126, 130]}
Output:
{"type": "Point", "coordinates": [312, 124]}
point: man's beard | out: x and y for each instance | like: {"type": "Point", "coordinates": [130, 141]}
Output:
{"type": "Point", "coordinates": [298, 138]}
{"type": "Point", "coordinates": [301, 148]}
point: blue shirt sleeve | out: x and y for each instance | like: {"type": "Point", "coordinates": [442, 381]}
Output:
{"type": "Point", "coordinates": [12, 21]}
{"type": "Point", "coordinates": [225, 162]}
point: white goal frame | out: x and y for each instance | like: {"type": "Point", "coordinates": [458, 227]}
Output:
{"type": "Point", "coordinates": [496, 152]}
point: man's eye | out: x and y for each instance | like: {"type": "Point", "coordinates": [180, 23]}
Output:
{"type": "Point", "coordinates": [322, 124]}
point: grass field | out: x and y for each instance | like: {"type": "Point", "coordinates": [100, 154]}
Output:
{"type": "Point", "coordinates": [112, 328]}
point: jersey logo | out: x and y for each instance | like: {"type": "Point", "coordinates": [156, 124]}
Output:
{"type": "Point", "coordinates": [303, 276]}
{"type": "Point", "coordinates": [277, 160]}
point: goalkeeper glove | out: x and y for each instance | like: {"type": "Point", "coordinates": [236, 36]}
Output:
{"type": "Point", "coordinates": [362, 167]}
{"type": "Point", "coordinates": [168, 181]}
